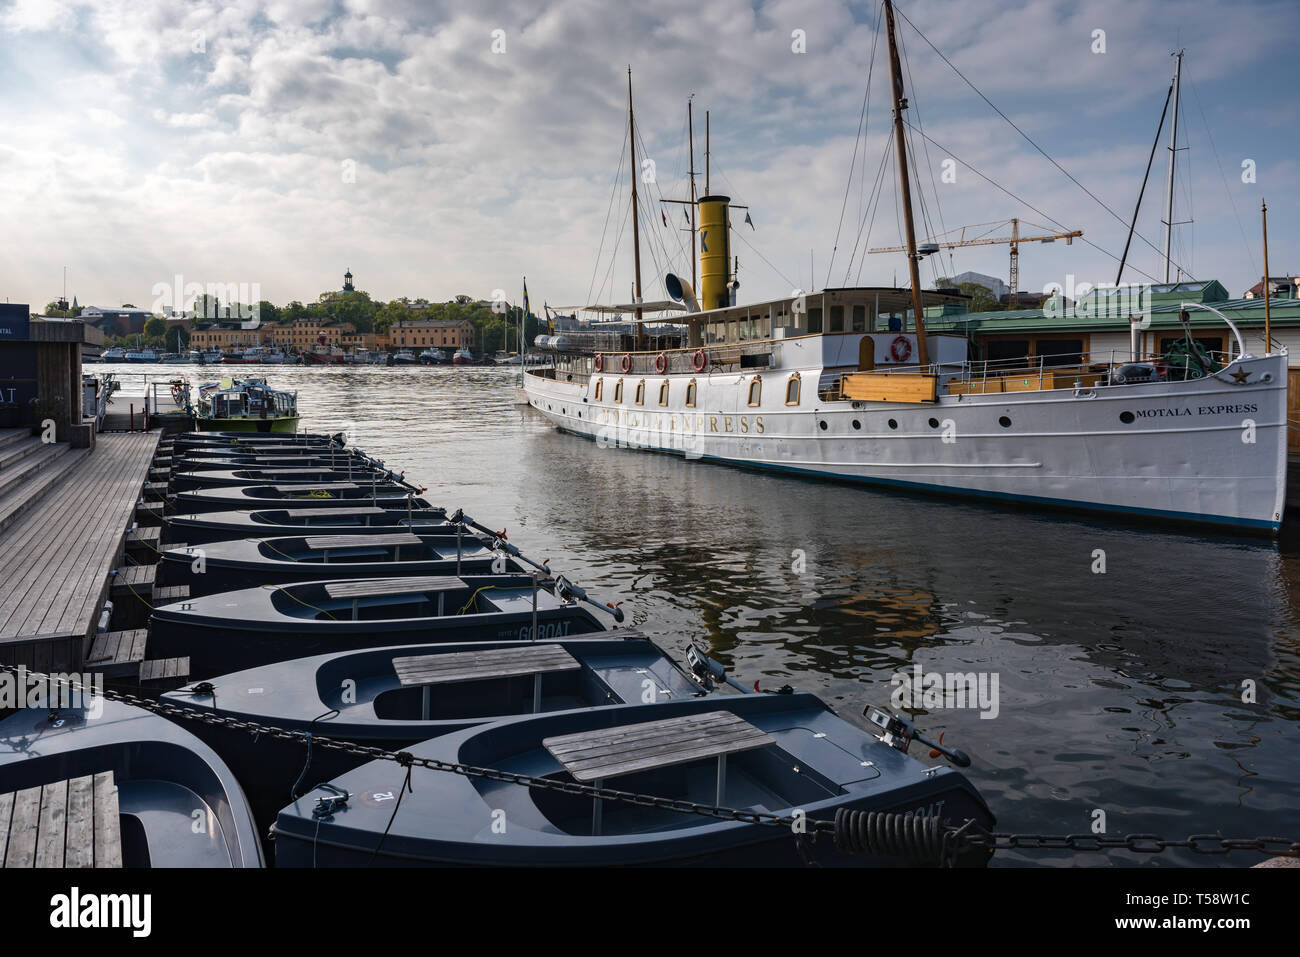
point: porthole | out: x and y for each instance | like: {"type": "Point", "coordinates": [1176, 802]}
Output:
{"type": "Point", "coordinates": [857, 424]}
{"type": "Point", "coordinates": [934, 423]}
{"type": "Point", "coordinates": [822, 425]}
{"type": "Point", "coordinates": [893, 423]}
{"type": "Point", "coordinates": [1004, 422]}
{"type": "Point", "coordinates": [1126, 417]}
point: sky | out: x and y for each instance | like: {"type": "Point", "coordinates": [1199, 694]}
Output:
{"type": "Point", "coordinates": [438, 149]}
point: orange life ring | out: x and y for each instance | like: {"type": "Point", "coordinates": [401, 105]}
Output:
{"type": "Point", "coordinates": [699, 361]}
{"type": "Point", "coordinates": [661, 363]}
{"type": "Point", "coordinates": [900, 349]}
{"type": "Point", "coordinates": [600, 362]}
{"type": "Point", "coordinates": [626, 363]}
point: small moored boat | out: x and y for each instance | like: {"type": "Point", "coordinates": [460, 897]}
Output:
{"type": "Point", "coordinates": [356, 519]}
{"type": "Point", "coordinates": [240, 629]}
{"type": "Point", "coordinates": [320, 495]}
{"type": "Point", "coordinates": [248, 562]}
{"type": "Point", "coordinates": [247, 405]}
{"type": "Point", "coordinates": [395, 697]}
{"type": "Point", "coordinates": [275, 474]}
{"type": "Point", "coordinates": [126, 787]}
{"type": "Point", "coordinates": [774, 753]}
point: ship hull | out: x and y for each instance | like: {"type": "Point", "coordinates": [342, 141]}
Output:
{"type": "Point", "coordinates": [289, 424]}
{"type": "Point", "coordinates": [1210, 451]}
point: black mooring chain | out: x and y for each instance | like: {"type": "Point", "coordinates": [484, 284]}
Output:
{"type": "Point", "coordinates": [968, 834]}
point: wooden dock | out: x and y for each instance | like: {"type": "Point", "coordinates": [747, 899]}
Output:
{"type": "Point", "coordinates": [56, 555]}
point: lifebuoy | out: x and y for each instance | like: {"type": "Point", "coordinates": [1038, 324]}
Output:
{"type": "Point", "coordinates": [599, 363]}
{"type": "Point", "coordinates": [900, 350]}
{"type": "Point", "coordinates": [661, 363]}
{"type": "Point", "coordinates": [626, 364]}
{"type": "Point", "coordinates": [699, 360]}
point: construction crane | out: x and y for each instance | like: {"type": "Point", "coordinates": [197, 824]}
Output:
{"type": "Point", "coordinates": [1015, 239]}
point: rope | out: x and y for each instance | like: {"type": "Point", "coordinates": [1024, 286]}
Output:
{"type": "Point", "coordinates": [305, 604]}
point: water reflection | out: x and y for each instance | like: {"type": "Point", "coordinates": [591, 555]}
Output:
{"type": "Point", "coordinates": [1120, 691]}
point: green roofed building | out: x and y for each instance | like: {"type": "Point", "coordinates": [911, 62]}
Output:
{"type": "Point", "coordinates": [1098, 326]}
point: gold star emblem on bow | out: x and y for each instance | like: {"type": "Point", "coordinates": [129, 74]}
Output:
{"type": "Point", "coordinates": [1241, 376]}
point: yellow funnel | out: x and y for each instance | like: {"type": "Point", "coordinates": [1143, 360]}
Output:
{"type": "Point", "coordinates": [715, 251]}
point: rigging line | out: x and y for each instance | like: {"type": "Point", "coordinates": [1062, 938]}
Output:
{"type": "Point", "coordinates": [613, 260]}
{"type": "Point", "coordinates": [862, 222]}
{"type": "Point", "coordinates": [676, 233]}
{"type": "Point", "coordinates": [737, 234]}
{"type": "Point", "coordinates": [860, 139]}
{"type": "Point", "coordinates": [1150, 159]}
{"type": "Point", "coordinates": [1029, 205]}
{"type": "Point", "coordinates": [595, 268]}
{"type": "Point", "coordinates": [870, 226]}
{"type": "Point", "coordinates": [1224, 178]}
{"type": "Point", "coordinates": [1023, 133]}
{"type": "Point", "coordinates": [907, 65]}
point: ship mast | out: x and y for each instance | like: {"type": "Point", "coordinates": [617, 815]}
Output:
{"type": "Point", "coordinates": [636, 228]}
{"type": "Point", "coordinates": [1173, 154]}
{"type": "Point", "coordinates": [913, 260]}
{"type": "Point", "coordinates": [690, 123]}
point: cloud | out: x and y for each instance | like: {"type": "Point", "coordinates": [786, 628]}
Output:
{"type": "Point", "coordinates": [279, 142]}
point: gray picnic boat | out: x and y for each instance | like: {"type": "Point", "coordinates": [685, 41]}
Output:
{"type": "Point", "coordinates": [397, 696]}
{"type": "Point", "coordinates": [351, 519]}
{"type": "Point", "coordinates": [234, 630]}
{"type": "Point", "coordinates": [134, 789]}
{"type": "Point", "coordinates": [774, 753]}
{"type": "Point", "coordinates": [248, 562]}
{"type": "Point", "coordinates": [294, 495]}
{"type": "Point", "coordinates": [275, 475]}
{"type": "Point", "coordinates": [219, 462]}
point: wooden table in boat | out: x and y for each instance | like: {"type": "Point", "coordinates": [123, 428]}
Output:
{"type": "Point", "coordinates": [365, 511]}
{"type": "Point", "coordinates": [593, 756]}
{"type": "Point", "coordinates": [73, 823]}
{"type": "Point", "coordinates": [428, 670]}
{"type": "Point", "coordinates": [327, 543]}
{"type": "Point", "coordinates": [315, 487]}
{"type": "Point", "coordinates": [384, 587]}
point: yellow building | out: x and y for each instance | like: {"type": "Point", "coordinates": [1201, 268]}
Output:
{"type": "Point", "coordinates": [423, 333]}
{"type": "Point", "coordinates": [227, 336]}
{"type": "Point", "coordinates": [306, 335]}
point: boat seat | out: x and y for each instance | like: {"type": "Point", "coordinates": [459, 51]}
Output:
{"type": "Point", "coordinates": [366, 510]}
{"type": "Point", "coordinates": [72, 823]}
{"type": "Point", "coordinates": [376, 587]}
{"type": "Point", "coordinates": [536, 660]}
{"type": "Point", "coordinates": [593, 756]}
{"type": "Point", "coordinates": [315, 487]}
{"type": "Point", "coordinates": [325, 543]}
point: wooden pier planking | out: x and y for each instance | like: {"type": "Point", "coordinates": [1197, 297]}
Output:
{"type": "Point", "coordinates": [106, 541]}
{"type": "Point", "coordinates": [54, 562]}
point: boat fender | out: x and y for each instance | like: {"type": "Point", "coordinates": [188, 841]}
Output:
{"type": "Point", "coordinates": [900, 350]}
{"type": "Point", "coordinates": [661, 363]}
{"type": "Point", "coordinates": [599, 363]}
{"type": "Point", "coordinates": [699, 361]}
{"type": "Point", "coordinates": [626, 363]}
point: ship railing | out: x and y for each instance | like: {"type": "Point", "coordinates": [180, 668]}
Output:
{"type": "Point", "coordinates": [1061, 371]}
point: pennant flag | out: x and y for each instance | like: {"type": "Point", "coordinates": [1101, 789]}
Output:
{"type": "Point", "coordinates": [663, 216]}
{"type": "Point", "coordinates": [750, 221]}
{"type": "Point", "coordinates": [525, 297]}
